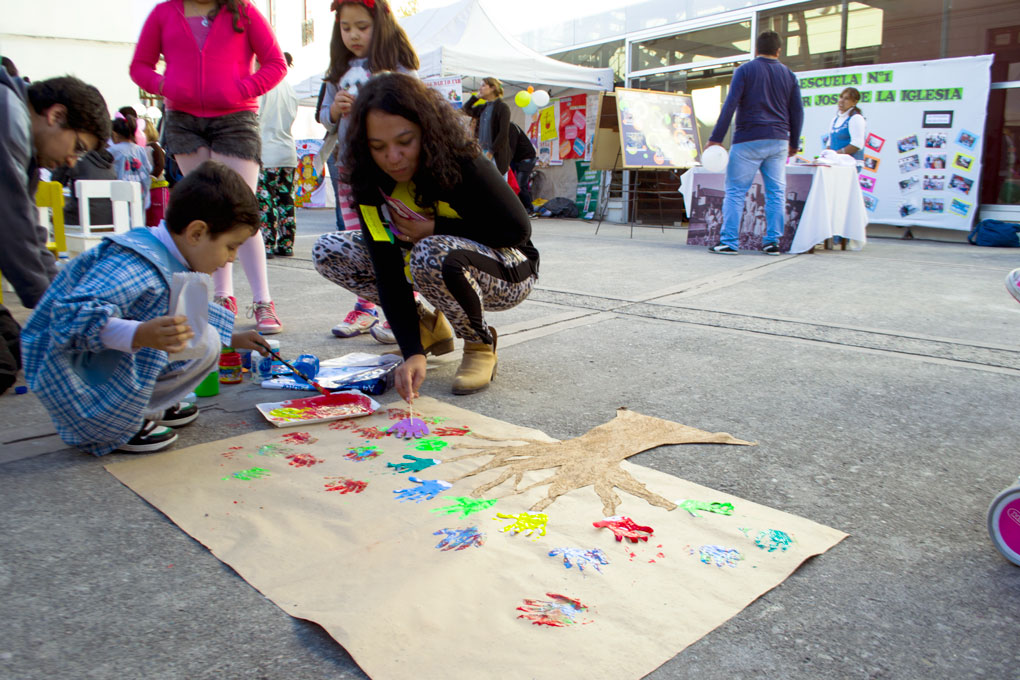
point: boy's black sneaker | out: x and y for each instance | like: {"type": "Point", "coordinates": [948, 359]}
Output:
{"type": "Point", "coordinates": [770, 249]}
{"type": "Point", "coordinates": [151, 438]}
{"type": "Point", "coordinates": [723, 249]}
{"type": "Point", "coordinates": [179, 415]}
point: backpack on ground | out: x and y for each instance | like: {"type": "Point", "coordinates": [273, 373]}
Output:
{"type": "Point", "coordinates": [995, 233]}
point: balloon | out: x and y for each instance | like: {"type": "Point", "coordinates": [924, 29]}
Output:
{"type": "Point", "coordinates": [531, 109]}
{"type": "Point", "coordinates": [531, 89]}
{"type": "Point", "coordinates": [522, 98]}
{"type": "Point", "coordinates": [714, 159]}
{"type": "Point", "coordinates": [540, 98]}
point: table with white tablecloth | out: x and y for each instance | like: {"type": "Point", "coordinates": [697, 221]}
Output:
{"type": "Point", "coordinates": [821, 202]}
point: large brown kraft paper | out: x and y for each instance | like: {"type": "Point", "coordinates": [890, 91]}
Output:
{"type": "Point", "coordinates": [366, 568]}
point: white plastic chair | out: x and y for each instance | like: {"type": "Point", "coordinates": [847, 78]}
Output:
{"type": "Point", "coordinates": [128, 211]}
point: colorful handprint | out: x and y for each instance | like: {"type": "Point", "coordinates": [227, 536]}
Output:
{"type": "Point", "coordinates": [302, 459]}
{"type": "Point", "coordinates": [409, 428]}
{"type": "Point", "coordinates": [427, 489]}
{"type": "Point", "coordinates": [360, 454]}
{"type": "Point", "coordinates": [249, 474]}
{"type": "Point", "coordinates": [525, 523]}
{"type": "Point", "coordinates": [459, 539]}
{"type": "Point", "coordinates": [466, 505]}
{"type": "Point", "coordinates": [344, 485]}
{"type": "Point", "coordinates": [719, 556]}
{"type": "Point", "coordinates": [560, 612]}
{"type": "Point", "coordinates": [430, 444]}
{"type": "Point", "coordinates": [416, 465]}
{"type": "Point", "coordinates": [771, 540]}
{"type": "Point", "coordinates": [581, 558]}
{"type": "Point", "coordinates": [300, 438]}
{"type": "Point", "coordinates": [718, 508]}
{"type": "Point", "coordinates": [624, 527]}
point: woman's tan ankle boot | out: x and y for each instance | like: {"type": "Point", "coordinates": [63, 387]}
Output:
{"type": "Point", "coordinates": [436, 332]}
{"type": "Point", "coordinates": [477, 368]}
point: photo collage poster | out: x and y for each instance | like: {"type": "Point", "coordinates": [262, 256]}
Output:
{"type": "Point", "coordinates": [922, 147]}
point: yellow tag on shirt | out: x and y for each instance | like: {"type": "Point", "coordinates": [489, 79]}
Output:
{"type": "Point", "coordinates": [370, 213]}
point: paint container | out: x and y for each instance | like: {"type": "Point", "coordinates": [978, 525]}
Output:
{"type": "Point", "coordinates": [261, 368]}
{"type": "Point", "coordinates": [245, 358]}
{"type": "Point", "coordinates": [230, 367]}
{"type": "Point", "coordinates": [1004, 523]}
{"type": "Point", "coordinates": [210, 386]}
{"type": "Point", "coordinates": [308, 364]}
{"type": "Point", "coordinates": [273, 343]}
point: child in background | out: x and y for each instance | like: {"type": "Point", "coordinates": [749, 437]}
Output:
{"type": "Point", "coordinates": [211, 96]}
{"type": "Point", "coordinates": [95, 349]}
{"type": "Point", "coordinates": [366, 39]}
{"type": "Point", "coordinates": [130, 160]}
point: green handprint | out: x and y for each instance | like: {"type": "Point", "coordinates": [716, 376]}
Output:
{"type": "Point", "coordinates": [466, 505]}
{"type": "Point", "coordinates": [718, 508]}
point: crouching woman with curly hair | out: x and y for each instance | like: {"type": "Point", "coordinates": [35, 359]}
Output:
{"type": "Point", "coordinates": [436, 217]}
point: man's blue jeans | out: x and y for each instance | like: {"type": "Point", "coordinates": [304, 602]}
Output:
{"type": "Point", "coordinates": [746, 158]}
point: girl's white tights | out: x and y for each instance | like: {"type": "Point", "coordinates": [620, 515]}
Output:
{"type": "Point", "coordinates": [252, 252]}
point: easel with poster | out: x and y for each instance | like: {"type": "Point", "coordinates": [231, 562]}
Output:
{"type": "Point", "coordinates": [645, 131]}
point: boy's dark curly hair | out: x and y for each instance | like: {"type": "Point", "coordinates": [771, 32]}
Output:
{"type": "Point", "coordinates": [215, 194]}
{"type": "Point", "coordinates": [86, 108]}
{"type": "Point", "coordinates": [445, 142]}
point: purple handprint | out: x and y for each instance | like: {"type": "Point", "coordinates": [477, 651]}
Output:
{"type": "Point", "coordinates": [409, 428]}
{"type": "Point", "coordinates": [458, 539]}
{"type": "Point", "coordinates": [427, 490]}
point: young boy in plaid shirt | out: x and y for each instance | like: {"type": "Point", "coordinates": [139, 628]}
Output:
{"type": "Point", "coordinates": [96, 347]}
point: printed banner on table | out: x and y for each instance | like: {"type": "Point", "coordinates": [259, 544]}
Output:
{"type": "Point", "coordinates": [922, 148]}
{"type": "Point", "coordinates": [309, 185]}
{"type": "Point", "coordinates": [705, 210]}
{"type": "Point", "coordinates": [450, 87]}
{"type": "Point", "coordinates": [573, 126]}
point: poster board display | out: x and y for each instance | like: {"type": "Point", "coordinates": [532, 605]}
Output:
{"type": "Point", "coordinates": [925, 128]}
{"type": "Point", "coordinates": [606, 152]}
{"type": "Point", "coordinates": [658, 130]}
{"type": "Point", "coordinates": [309, 182]}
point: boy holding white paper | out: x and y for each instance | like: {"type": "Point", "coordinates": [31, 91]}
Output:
{"type": "Point", "coordinates": [122, 335]}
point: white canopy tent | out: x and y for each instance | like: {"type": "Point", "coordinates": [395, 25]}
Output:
{"type": "Point", "coordinates": [462, 40]}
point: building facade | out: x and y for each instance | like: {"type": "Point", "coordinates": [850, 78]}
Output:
{"type": "Point", "coordinates": [695, 45]}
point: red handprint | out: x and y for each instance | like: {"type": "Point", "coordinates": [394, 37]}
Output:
{"type": "Point", "coordinates": [624, 527]}
{"type": "Point", "coordinates": [344, 485]}
{"type": "Point", "coordinates": [371, 433]}
{"type": "Point", "coordinates": [303, 459]}
{"type": "Point", "coordinates": [299, 438]}
{"type": "Point", "coordinates": [451, 431]}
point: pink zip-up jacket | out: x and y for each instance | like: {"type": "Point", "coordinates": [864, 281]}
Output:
{"type": "Point", "coordinates": [217, 79]}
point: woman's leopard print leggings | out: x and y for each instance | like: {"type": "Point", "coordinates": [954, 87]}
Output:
{"type": "Point", "coordinates": [460, 277]}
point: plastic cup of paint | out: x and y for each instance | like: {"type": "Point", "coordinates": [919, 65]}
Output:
{"type": "Point", "coordinates": [245, 358]}
{"type": "Point", "coordinates": [261, 369]}
{"type": "Point", "coordinates": [210, 386]}
{"type": "Point", "coordinates": [307, 364]}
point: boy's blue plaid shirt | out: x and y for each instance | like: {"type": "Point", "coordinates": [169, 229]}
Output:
{"type": "Point", "coordinates": [97, 397]}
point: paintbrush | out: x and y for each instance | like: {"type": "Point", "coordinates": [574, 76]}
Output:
{"type": "Point", "coordinates": [276, 355]}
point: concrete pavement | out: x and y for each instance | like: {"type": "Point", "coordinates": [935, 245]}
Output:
{"type": "Point", "coordinates": [881, 387]}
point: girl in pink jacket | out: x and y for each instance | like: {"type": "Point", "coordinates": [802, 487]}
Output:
{"type": "Point", "coordinates": [211, 95]}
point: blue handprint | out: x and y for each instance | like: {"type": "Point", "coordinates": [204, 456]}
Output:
{"type": "Point", "coordinates": [459, 539]}
{"type": "Point", "coordinates": [409, 428]}
{"type": "Point", "coordinates": [428, 489]}
{"type": "Point", "coordinates": [581, 557]}
{"type": "Point", "coordinates": [416, 465]}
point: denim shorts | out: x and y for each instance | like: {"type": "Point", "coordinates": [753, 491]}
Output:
{"type": "Point", "coordinates": [235, 134]}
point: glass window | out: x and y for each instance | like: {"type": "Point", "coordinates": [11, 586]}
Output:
{"type": "Point", "coordinates": [811, 33]}
{"type": "Point", "coordinates": [705, 44]}
{"type": "Point", "coordinates": [610, 54]}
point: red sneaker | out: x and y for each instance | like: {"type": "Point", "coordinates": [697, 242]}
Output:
{"type": "Point", "coordinates": [228, 302]}
{"type": "Point", "coordinates": [266, 321]}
